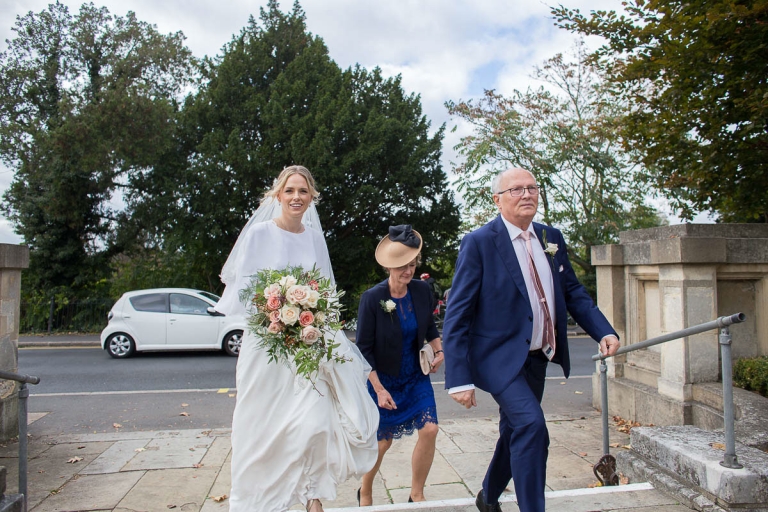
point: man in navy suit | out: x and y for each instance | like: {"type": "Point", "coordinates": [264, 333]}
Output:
{"type": "Point", "coordinates": [506, 319]}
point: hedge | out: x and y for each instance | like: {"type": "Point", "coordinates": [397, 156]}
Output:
{"type": "Point", "coordinates": [752, 374]}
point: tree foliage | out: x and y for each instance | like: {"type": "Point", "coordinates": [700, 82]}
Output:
{"type": "Point", "coordinates": [86, 104]}
{"type": "Point", "coordinates": [275, 98]}
{"type": "Point", "coordinates": [567, 133]}
{"type": "Point", "coordinates": [694, 73]}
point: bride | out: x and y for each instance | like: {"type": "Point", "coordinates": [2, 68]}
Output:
{"type": "Point", "coordinates": [291, 444]}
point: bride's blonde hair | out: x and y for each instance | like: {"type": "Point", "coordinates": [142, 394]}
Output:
{"type": "Point", "coordinates": [279, 184]}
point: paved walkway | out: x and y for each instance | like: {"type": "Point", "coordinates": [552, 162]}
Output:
{"type": "Point", "coordinates": [188, 470]}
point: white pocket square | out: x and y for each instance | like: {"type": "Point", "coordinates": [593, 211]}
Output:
{"type": "Point", "coordinates": [561, 268]}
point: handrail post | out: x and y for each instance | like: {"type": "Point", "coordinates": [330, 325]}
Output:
{"type": "Point", "coordinates": [23, 395]}
{"type": "Point", "coordinates": [604, 404]}
{"type": "Point", "coordinates": [729, 459]}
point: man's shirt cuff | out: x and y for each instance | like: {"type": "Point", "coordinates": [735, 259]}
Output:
{"type": "Point", "coordinates": [459, 389]}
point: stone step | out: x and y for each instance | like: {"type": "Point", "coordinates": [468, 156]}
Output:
{"type": "Point", "coordinates": [641, 496]}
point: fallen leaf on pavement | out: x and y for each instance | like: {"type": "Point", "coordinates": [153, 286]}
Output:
{"type": "Point", "coordinates": [74, 459]}
{"type": "Point", "coordinates": [627, 446]}
{"type": "Point", "coordinates": [717, 446]}
{"type": "Point", "coordinates": [579, 392]}
{"type": "Point", "coordinates": [184, 405]}
{"type": "Point", "coordinates": [232, 395]}
{"type": "Point", "coordinates": [623, 480]}
{"type": "Point", "coordinates": [583, 454]}
{"type": "Point", "coordinates": [117, 425]}
{"type": "Point", "coordinates": [80, 447]}
{"type": "Point", "coordinates": [184, 414]}
{"type": "Point", "coordinates": [615, 445]}
{"type": "Point", "coordinates": [198, 465]}
{"type": "Point", "coordinates": [562, 383]}
{"type": "Point", "coordinates": [596, 484]}
{"type": "Point", "coordinates": [219, 499]}
{"type": "Point", "coordinates": [139, 450]}
{"type": "Point", "coordinates": [171, 506]}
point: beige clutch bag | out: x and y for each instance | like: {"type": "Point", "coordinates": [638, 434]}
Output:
{"type": "Point", "coordinates": [426, 356]}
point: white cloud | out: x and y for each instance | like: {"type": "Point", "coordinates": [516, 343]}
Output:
{"type": "Point", "coordinates": [444, 49]}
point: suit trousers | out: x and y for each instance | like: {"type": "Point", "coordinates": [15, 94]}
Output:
{"type": "Point", "coordinates": [523, 445]}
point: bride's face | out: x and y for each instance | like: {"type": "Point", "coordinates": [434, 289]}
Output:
{"type": "Point", "coordinates": [295, 197]}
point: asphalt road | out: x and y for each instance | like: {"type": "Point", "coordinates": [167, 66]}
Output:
{"type": "Point", "coordinates": [84, 390]}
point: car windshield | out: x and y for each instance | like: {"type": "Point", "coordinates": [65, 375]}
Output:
{"type": "Point", "coordinates": [212, 296]}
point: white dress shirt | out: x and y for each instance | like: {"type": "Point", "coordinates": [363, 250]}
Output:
{"type": "Point", "coordinates": [545, 275]}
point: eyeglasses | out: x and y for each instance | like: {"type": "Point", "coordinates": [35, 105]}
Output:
{"type": "Point", "coordinates": [520, 191]}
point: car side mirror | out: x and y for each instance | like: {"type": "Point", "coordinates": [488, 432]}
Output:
{"type": "Point", "coordinates": [213, 312]}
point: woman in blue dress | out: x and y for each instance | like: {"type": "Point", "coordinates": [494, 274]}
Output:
{"type": "Point", "coordinates": [394, 321]}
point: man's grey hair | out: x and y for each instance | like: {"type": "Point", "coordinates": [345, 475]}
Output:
{"type": "Point", "coordinates": [496, 182]}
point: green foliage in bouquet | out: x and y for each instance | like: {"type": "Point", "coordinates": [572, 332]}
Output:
{"type": "Point", "coordinates": [296, 314]}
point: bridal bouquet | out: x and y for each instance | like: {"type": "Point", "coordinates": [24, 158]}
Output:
{"type": "Point", "coordinates": [295, 313]}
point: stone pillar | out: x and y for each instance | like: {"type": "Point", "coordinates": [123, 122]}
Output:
{"type": "Point", "coordinates": [660, 280]}
{"type": "Point", "coordinates": [13, 258]}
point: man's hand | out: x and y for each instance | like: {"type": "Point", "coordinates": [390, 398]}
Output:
{"type": "Point", "coordinates": [609, 345]}
{"type": "Point", "coordinates": [465, 398]}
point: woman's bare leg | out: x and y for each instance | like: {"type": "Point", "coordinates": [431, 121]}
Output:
{"type": "Point", "coordinates": [366, 490]}
{"type": "Point", "coordinates": [421, 460]}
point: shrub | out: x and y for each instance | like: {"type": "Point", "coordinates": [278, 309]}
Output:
{"type": "Point", "coordinates": [752, 374]}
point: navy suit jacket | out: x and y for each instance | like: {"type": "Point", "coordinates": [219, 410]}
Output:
{"type": "Point", "coordinates": [379, 337]}
{"type": "Point", "coordinates": [489, 322]}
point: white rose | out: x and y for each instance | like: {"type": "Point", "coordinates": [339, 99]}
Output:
{"type": "Point", "coordinates": [312, 298]}
{"type": "Point", "coordinates": [319, 318]}
{"type": "Point", "coordinates": [289, 314]}
{"type": "Point", "coordinates": [389, 306]}
{"type": "Point", "coordinates": [287, 281]}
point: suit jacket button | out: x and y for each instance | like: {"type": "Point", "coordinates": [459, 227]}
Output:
{"type": "Point", "coordinates": [528, 341]}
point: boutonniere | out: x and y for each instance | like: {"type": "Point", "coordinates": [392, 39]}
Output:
{"type": "Point", "coordinates": [388, 306]}
{"type": "Point", "coordinates": [550, 249]}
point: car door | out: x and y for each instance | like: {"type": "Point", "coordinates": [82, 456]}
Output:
{"type": "Point", "coordinates": [146, 316]}
{"type": "Point", "coordinates": [190, 324]}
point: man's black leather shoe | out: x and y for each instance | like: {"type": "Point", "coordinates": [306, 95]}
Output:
{"type": "Point", "coordinates": [482, 506]}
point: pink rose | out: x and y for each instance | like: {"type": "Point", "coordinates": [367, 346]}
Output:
{"type": "Point", "coordinates": [313, 284]}
{"type": "Point", "coordinates": [275, 328]}
{"type": "Point", "coordinates": [272, 290]}
{"type": "Point", "coordinates": [297, 294]}
{"type": "Point", "coordinates": [310, 335]}
{"type": "Point", "coordinates": [306, 318]}
{"type": "Point", "coordinates": [274, 316]}
{"type": "Point", "coordinates": [273, 303]}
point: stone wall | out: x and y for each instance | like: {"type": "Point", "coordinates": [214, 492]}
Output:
{"type": "Point", "coordinates": [13, 258]}
{"type": "Point", "coordinates": [663, 279]}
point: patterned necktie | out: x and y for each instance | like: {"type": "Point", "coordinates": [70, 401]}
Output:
{"type": "Point", "coordinates": [548, 334]}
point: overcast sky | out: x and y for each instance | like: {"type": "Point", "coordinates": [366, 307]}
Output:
{"type": "Point", "coordinates": [444, 49]}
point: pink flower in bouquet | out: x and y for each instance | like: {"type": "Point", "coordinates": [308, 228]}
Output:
{"type": "Point", "coordinates": [272, 290]}
{"type": "Point", "coordinates": [275, 328]}
{"type": "Point", "coordinates": [297, 294]}
{"type": "Point", "coordinates": [306, 318]}
{"type": "Point", "coordinates": [313, 284]}
{"type": "Point", "coordinates": [310, 335]}
{"type": "Point", "coordinates": [273, 303]}
{"type": "Point", "coordinates": [289, 314]}
{"type": "Point", "coordinates": [274, 316]}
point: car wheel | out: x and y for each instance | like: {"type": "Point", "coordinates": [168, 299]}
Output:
{"type": "Point", "coordinates": [232, 342]}
{"type": "Point", "coordinates": [120, 345]}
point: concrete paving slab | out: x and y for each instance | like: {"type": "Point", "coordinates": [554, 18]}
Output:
{"type": "Point", "coordinates": [470, 467]}
{"type": "Point", "coordinates": [47, 474]}
{"type": "Point", "coordinates": [396, 470]}
{"type": "Point", "coordinates": [170, 453]}
{"type": "Point", "coordinates": [91, 492]}
{"type": "Point", "coordinates": [218, 453]}
{"type": "Point", "coordinates": [221, 487]}
{"type": "Point", "coordinates": [565, 464]}
{"type": "Point", "coordinates": [433, 492]}
{"type": "Point", "coordinates": [115, 457]}
{"type": "Point", "coordinates": [119, 435]}
{"type": "Point", "coordinates": [182, 490]}
{"type": "Point", "coordinates": [473, 435]}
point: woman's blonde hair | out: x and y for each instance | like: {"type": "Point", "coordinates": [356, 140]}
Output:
{"type": "Point", "coordinates": [282, 179]}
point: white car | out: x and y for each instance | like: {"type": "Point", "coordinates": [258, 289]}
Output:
{"type": "Point", "coordinates": [170, 319]}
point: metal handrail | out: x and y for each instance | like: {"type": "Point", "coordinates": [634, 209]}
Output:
{"type": "Point", "coordinates": [729, 459]}
{"type": "Point", "coordinates": [23, 452]}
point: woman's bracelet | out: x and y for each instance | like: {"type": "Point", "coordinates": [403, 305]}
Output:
{"type": "Point", "coordinates": [438, 351]}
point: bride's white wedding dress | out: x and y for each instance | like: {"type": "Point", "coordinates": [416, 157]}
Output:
{"type": "Point", "coordinates": [290, 443]}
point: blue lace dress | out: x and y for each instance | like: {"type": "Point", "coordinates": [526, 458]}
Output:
{"type": "Point", "coordinates": [411, 390]}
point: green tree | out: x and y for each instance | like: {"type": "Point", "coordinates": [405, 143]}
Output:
{"type": "Point", "coordinates": [86, 104]}
{"type": "Point", "coordinates": [694, 73]}
{"type": "Point", "coordinates": [275, 98]}
{"type": "Point", "coordinates": [567, 134]}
